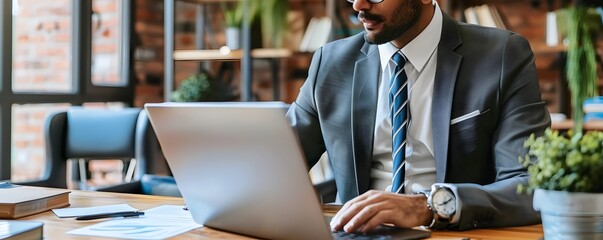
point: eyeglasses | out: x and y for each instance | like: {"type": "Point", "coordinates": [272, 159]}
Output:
{"type": "Point", "coordinates": [370, 1]}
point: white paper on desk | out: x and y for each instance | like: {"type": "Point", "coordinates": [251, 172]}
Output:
{"type": "Point", "coordinates": [76, 212]}
{"type": "Point", "coordinates": [169, 210]}
{"type": "Point", "coordinates": [157, 223]}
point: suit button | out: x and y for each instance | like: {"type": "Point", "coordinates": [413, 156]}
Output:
{"type": "Point", "coordinates": [475, 223]}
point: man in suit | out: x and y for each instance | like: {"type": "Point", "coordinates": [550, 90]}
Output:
{"type": "Point", "coordinates": [473, 98]}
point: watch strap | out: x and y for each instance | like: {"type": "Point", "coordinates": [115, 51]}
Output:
{"type": "Point", "coordinates": [427, 193]}
{"type": "Point", "coordinates": [439, 222]}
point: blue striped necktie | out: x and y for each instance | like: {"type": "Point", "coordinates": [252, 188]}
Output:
{"type": "Point", "coordinates": [398, 98]}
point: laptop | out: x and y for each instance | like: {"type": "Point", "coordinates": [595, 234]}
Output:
{"type": "Point", "coordinates": [240, 169]}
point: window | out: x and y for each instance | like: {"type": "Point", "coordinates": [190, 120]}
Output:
{"type": "Point", "coordinates": [52, 57]}
{"type": "Point", "coordinates": [106, 47]}
{"type": "Point", "coordinates": [28, 152]}
{"type": "Point", "coordinates": [42, 46]}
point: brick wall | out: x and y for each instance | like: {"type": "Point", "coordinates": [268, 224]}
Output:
{"type": "Point", "coordinates": [106, 24]}
{"type": "Point", "coordinates": [148, 44]}
{"type": "Point", "coordinates": [42, 46]}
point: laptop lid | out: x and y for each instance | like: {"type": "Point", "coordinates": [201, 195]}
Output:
{"type": "Point", "coordinates": [240, 168]}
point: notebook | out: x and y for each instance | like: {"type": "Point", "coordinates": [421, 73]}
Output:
{"type": "Point", "coordinates": [240, 168]}
{"type": "Point", "coordinates": [21, 230]}
{"type": "Point", "coordinates": [18, 201]}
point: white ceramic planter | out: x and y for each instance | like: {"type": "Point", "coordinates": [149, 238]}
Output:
{"type": "Point", "coordinates": [567, 215]}
{"type": "Point", "coordinates": [233, 37]}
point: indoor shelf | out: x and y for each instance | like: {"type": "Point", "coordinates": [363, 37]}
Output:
{"type": "Point", "coordinates": [198, 55]}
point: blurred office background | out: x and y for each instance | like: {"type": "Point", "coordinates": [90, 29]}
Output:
{"type": "Point", "coordinates": [112, 54]}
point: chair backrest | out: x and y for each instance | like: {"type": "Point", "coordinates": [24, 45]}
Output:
{"type": "Point", "coordinates": [84, 134]}
{"type": "Point", "coordinates": [100, 134]}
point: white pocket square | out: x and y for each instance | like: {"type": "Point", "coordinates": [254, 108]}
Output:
{"type": "Point", "coordinates": [464, 117]}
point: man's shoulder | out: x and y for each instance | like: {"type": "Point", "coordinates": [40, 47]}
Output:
{"type": "Point", "coordinates": [352, 42]}
{"type": "Point", "coordinates": [480, 33]}
{"type": "Point", "coordinates": [345, 49]}
{"type": "Point", "coordinates": [488, 39]}
{"type": "Point", "coordinates": [483, 31]}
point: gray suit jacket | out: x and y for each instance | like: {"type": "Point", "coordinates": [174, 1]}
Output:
{"type": "Point", "coordinates": [478, 68]}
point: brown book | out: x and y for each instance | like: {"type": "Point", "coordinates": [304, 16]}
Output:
{"type": "Point", "coordinates": [19, 201]}
{"type": "Point", "coordinates": [21, 230]}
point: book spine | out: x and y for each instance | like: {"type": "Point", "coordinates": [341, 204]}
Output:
{"type": "Point", "coordinates": [41, 205]}
{"type": "Point", "coordinates": [7, 211]}
{"type": "Point", "coordinates": [30, 207]}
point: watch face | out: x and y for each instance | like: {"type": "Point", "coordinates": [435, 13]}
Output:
{"type": "Point", "coordinates": [444, 202]}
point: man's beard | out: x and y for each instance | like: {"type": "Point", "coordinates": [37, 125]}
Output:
{"type": "Point", "coordinates": [404, 18]}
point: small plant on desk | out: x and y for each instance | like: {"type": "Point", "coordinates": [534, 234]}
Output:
{"type": "Point", "coordinates": [202, 87]}
{"type": "Point", "coordinates": [565, 169]}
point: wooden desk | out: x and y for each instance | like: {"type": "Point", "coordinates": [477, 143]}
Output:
{"type": "Point", "coordinates": [55, 228]}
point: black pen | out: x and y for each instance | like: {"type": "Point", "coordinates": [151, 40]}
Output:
{"type": "Point", "coordinates": [110, 215]}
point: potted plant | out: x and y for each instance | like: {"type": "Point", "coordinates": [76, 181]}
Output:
{"type": "Point", "coordinates": [202, 87]}
{"type": "Point", "coordinates": [233, 18]}
{"type": "Point", "coordinates": [567, 180]}
{"type": "Point", "coordinates": [566, 169]}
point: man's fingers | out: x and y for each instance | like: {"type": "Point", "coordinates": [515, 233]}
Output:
{"type": "Point", "coordinates": [365, 214]}
{"type": "Point", "coordinates": [345, 215]}
{"type": "Point", "coordinates": [360, 211]}
{"type": "Point", "coordinates": [377, 219]}
{"type": "Point", "coordinates": [348, 211]}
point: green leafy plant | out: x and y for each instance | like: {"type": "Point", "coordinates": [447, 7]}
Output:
{"type": "Point", "coordinates": [201, 87]}
{"type": "Point", "coordinates": [564, 165]}
{"type": "Point", "coordinates": [191, 89]}
{"type": "Point", "coordinates": [233, 16]}
{"type": "Point", "coordinates": [581, 60]}
{"type": "Point", "coordinates": [271, 14]}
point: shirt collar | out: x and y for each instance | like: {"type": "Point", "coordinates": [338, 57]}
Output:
{"type": "Point", "coordinates": [419, 50]}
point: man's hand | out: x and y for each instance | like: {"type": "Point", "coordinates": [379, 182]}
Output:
{"type": "Point", "coordinates": [373, 208]}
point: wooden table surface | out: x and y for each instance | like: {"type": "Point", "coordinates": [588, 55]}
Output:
{"type": "Point", "coordinates": [55, 228]}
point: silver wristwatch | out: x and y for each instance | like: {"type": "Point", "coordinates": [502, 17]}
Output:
{"type": "Point", "coordinates": [442, 203]}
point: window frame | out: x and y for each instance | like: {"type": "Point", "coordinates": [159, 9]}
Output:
{"type": "Point", "coordinates": [84, 90]}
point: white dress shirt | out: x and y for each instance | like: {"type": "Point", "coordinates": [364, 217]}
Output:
{"type": "Point", "coordinates": [421, 55]}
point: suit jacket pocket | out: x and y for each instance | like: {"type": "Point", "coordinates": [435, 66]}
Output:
{"type": "Point", "coordinates": [469, 120]}
{"type": "Point", "coordinates": [466, 135]}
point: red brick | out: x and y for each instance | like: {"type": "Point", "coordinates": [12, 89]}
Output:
{"type": "Point", "coordinates": [104, 48]}
{"type": "Point", "coordinates": [60, 11]}
{"type": "Point", "coordinates": [105, 6]}
{"type": "Point", "coordinates": [62, 37]}
{"type": "Point", "coordinates": [52, 51]}
{"type": "Point", "coordinates": [62, 64]}
{"type": "Point", "coordinates": [64, 23]}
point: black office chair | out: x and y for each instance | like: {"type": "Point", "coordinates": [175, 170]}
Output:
{"type": "Point", "coordinates": [78, 135]}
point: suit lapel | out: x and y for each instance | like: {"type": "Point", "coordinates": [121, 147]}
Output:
{"type": "Point", "coordinates": [448, 64]}
{"type": "Point", "coordinates": [364, 104]}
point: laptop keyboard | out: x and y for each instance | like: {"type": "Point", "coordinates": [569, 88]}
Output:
{"type": "Point", "coordinates": [343, 235]}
